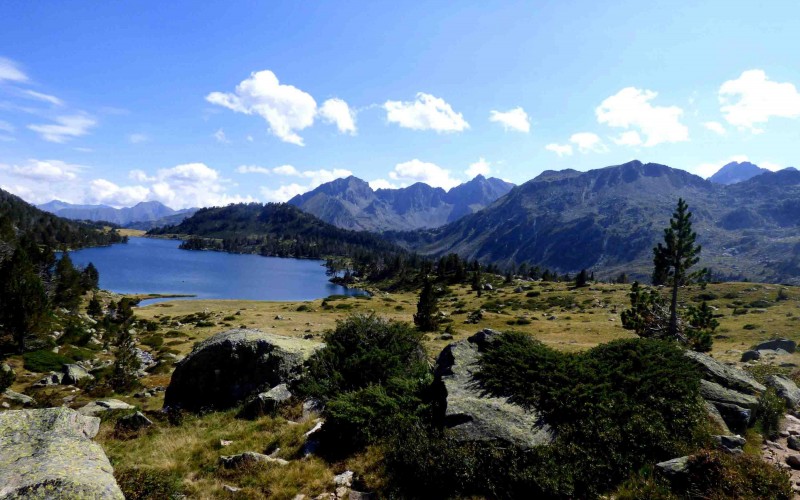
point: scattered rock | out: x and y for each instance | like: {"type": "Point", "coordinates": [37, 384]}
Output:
{"type": "Point", "coordinates": [52, 379]}
{"type": "Point", "coordinates": [53, 447]}
{"type": "Point", "coordinates": [736, 417]}
{"type": "Point", "coordinates": [446, 336]}
{"type": "Point", "coordinates": [675, 468]}
{"type": "Point", "coordinates": [20, 399]}
{"type": "Point", "coordinates": [785, 388]}
{"type": "Point", "coordinates": [103, 405]}
{"type": "Point", "coordinates": [230, 489]}
{"type": "Point", "coordinates": [470, 414]}
{"type": "Point", "coordinates": [312, 407]}
{"type": "Point", "coordinates": [716, 417]}
{"type": "Point", "coordinates": [248, 458]}
{"type": "Point", "coordinates": [225, 442]}
{"type": "Point", "coordinates": [74, 374]}
{"type": "Point", "coordinates": [715, 393]}
{"type": "Point", "coordinates": [265, 403]}
{"type": "Point", "coordinates": [488, 286]}
{"type": "Point", "coordinates": [793, 461]}
{"type": "Point", "coordinates": [344, 479]}
{"type": "Point", "coordinates": [793, 442]}
{"type": "Point", "coordinates": [770, 345]}
{"type": "Point", "coordinates": [730, 443]}
{"type": "Point", "coordinates": [750, 356]}
{"type": "Point", "coordinates": [227, 368]}
{"type": "Point", "coordinates": [134, 422]}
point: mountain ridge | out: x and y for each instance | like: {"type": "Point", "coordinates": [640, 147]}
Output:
{"type": "Point", "coordinates": [145, 213]}
{"type": "Point", "coordinates": [350, 203]}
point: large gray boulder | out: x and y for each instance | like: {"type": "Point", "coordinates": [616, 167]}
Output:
{"type": "Point", "coordinates": [100, 406]}
{"type": "Point", "coordinates": [715, 393]}
{"type": "Point", "coordinates": [470, 413]}
{"type": "Point", "coordinates": [786, 389]}
{"type": "Point", "coordinates": [773, 345]}
{"type": "Point", "coordinates": [49, 454]}
{"type": "Point", "coordinates": [74, 374]}
{"type": "Point", "coordinates": [726, 376]}
{"type": "Point", "coordinates": [224, 370]}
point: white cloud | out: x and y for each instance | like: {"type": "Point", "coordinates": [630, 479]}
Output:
{"type": "Point", "coordinates": [219, 135]}
{"type": "Point", "coordinates": [715, 127]}
{"type": "Point", "coordinates": [629, 138]}
{"type": "Point", "coordinates": [65, 128]}
{"type": "Point", "coordinates": [426, 112]}
{"type": "Point", "coordinates": [39, 181]}
{"type": "Point", "coordinates": [706, 170]}
{"type": "Point", "coordinates": [559, 149]}
{"type": "Point", "coordinates": [752, 99]}
{"type": "Point", "coordinates": [44, 170]}
{"type": "Point", "coordinates": [514, 119]}
{"type": "Point", "coordinates": [480, 167]}
{"type": "Point", "coordinates": [138, 138]}
{"type": "Point", "coordinates": [588, 142]}
{"type": "Point", "coordinates": [10, 71]}
{"type": "Point", "coordinates": [102, 191]}
{"type": "Point", "coordinates": [284, 192]}
{"type": "Point", "coordinates": [337, 111]}
{"type": "Point", "coordinates": [140, 176]}
{"type": "Point", "coordinates": [44, 97]}
{"type": "Point", "coordinates": [382, 184]}
{"type": "Point", "coordinates": [631, 108]}
{"type": "Point", "coordinates": [415, 170]}
{"type": "Point", "coordinates": [286, 108]}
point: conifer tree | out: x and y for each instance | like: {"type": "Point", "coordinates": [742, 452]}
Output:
{"type": "Point", "coordinates": [581, 279]}
{"type": "Point", "coordinates": [127, 364]}
{"type": "Point", "coordinates": [427, 316]}
{"type": "Point", "coordinates": [673, 259]}
{"type": "Point", "coordinates": [68, 283]}
{"type": "Point", "coordinates": [23, 301]}
{"type": "Point", "coordinates": [477, 280]}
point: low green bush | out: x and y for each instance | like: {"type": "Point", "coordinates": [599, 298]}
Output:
{"type": "Point", "coordinates": [141, 484]}
{"type": "Point", "coordinates": [44, 361]}
{"type": "Point", "coordinates": [769, 412]}
{"type": "Point", "coordinates": [716, 475]}
{"type": "Point", "coordinates": [154, 341]}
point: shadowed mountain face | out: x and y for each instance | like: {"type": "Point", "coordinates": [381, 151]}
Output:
{"type": "Point", "coordinates": [608, 220]}
{"type": "Point", "coordinates": [151, 213]}
{"type": "Point", "coordinates": [735, 172]}
{"type": "Point", "coordinates": [352, 204]}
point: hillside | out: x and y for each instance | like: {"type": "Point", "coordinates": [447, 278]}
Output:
{"type": "Point", "coordinates": [272, 229]}
{"type": "Point", "coordinates": [609, 219]}
{"type": "Point", "coordinates": [143, 215]}
{"type": "Point", "coordinates": [351, 203]}
{"type": "Point", "coordinates": [47, 229]}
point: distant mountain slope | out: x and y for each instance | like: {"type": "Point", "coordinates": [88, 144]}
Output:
{"type": "Point", "coordinates": [17, 217]}
{"type": "Point", "coordinates": [735, 172]}
{"type": "Point", "coordinates": [609, 219]}
{"type": "Point", "coordinates": [153, 212]}
{"type": "Point", "coordinates": [352, 204]}
{"type": "Point", "coordinates": [275, 229]}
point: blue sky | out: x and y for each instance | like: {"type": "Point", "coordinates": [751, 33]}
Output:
{"type": "Point", "coordinates": [201, 103]}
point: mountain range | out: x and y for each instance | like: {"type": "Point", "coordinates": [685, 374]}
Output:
{"type": "Point", "coordinates": [736, 171]}
{"type": "Point", "coordinates": [608, 220]}
{"type": "Point", "coordinates": [144, 215]}
{"type": "Point", "coordinates": [351, 203]}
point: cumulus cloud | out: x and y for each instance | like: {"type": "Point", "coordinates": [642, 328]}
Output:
{"type": "Point", "coordinates": [382, 184]}
{"type": "Point", "coordinates": [559, 149]}
{"type": "Point", "coordinates": [337, 111]}
{"type": "Point", "coordinates": [284, 192]}
{"type": "Point", "coordinates": [44, 97]}
{"type": "Point", "coordinates": [426, 112]}
{"type": "Point", "coordinates": [10, 71]}
{"type": "Point", "coordinates": [631, 108]}
{"type": "Point", "coordinates": [65, 128]}
{"type": "Point", "coordinates": [287, 109]}
{"type": "Point", "coordinates": [514, 119]}
{"type": "Point", "coordinates": [752, 99]}
{"type": "Point", "coordinates": [39, 181]}
{"type": "Point", "coordinates": [44, 170]}
{"type": "Point", "coordinates": [715, 127]}
{"type": "Point", "coordinates": [629, 138]}
{"type": "Point", "coordinates": [415, 170]}
{"type": "Point", "coordinates": [480, 167]}
{"type": "Point", "coordinates": [587, 142]}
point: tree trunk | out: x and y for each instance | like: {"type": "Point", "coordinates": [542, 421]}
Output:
{"type": "Point", "coordinates": [673, 310]}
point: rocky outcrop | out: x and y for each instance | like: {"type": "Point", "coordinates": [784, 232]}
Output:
{"type": "Point", "coordinates": [226, 369]}
{"type": "Point", "coordinates": [732, 392]}
{"type": "Point", "coordinates": [49, 453]}
{"type": "Point", "coordinates": [103, 405]}
{"type": "Point", "coordinates": [472, 415]}
{"type": "Point", "coordinates": [249, 458]}
{"type": "Point", "coordinates": [773, 345]}
{"type": "Point", "coordinates": [786, 389]}
{"type": "Point", "coordinates": [265, 403]}
{"type": "Point", "coordinates": [74, 374]}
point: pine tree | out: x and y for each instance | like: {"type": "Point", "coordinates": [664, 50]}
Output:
{"type": "Point", "coordinates": [427, 316]}
{"type": "Point", "coordinates": [68, 283]}
{"type": "Point", "coordinates": [477, 280]}
{"type": "Point", "coordinates": [676, 256]}
{"type": "Point", "coordinates": [23, 301]}
{"type": "Point", "coordinates": [126, 365]}
{"type": "Point", "coordinates": [581, 279]}
{"type": "Point", "coordinates": [94, 308]}
{"type": "Point", "coordinates": [90, 278]}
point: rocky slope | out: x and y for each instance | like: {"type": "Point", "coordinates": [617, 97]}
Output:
{"type": "Point", "coordinates": [735, 172]}
{"type": "Point", "coordinates": [151, 213]}
{"type": "Point", "coordinates": [352, 204]}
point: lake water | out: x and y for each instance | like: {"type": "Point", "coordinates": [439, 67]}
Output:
{"type": "Point", "coordinates": [146, 265]}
